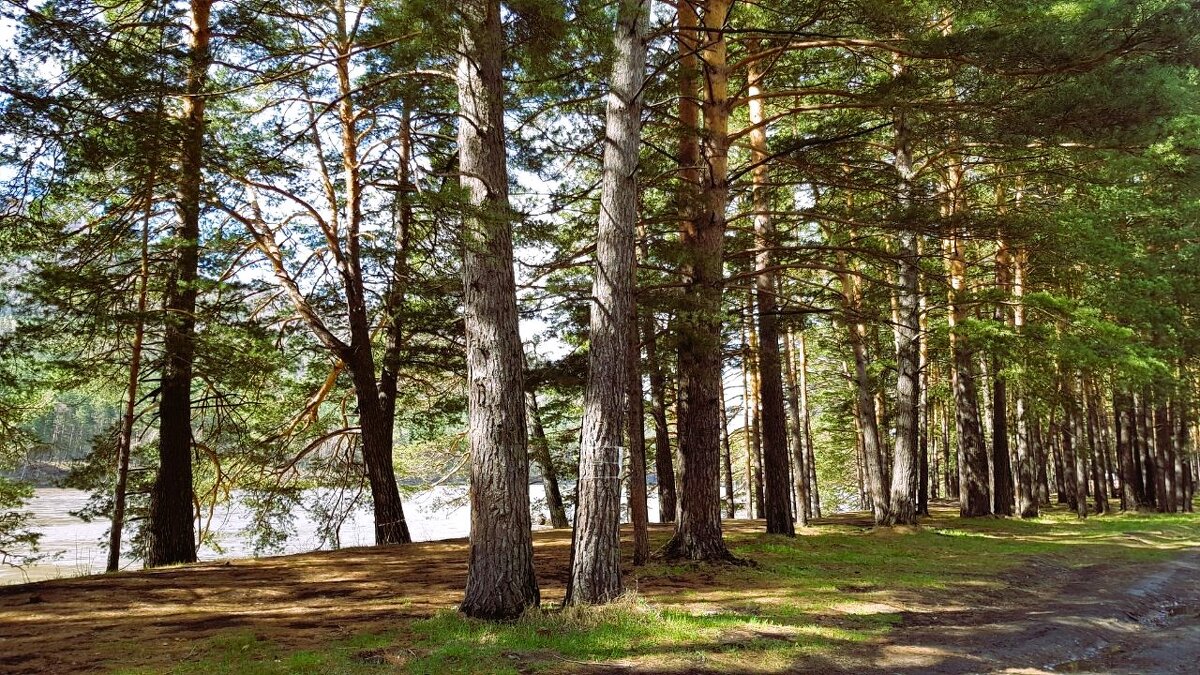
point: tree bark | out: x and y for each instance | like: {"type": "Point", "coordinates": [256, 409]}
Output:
{"type": "Point", "coordinates": [664, 464]}
{"type": "Point", "coordinates": [539, 451]}
{"type": "Point", "coordinates": [171, 526]}
{"type": "Point", "coordinates": [776, 482]}
{"type": "Point", "coordinates": [1027, 502]}
{"type": "Point", "coordinates": [974, 497]}
{"type": "Point", "coordinates": [727, 460]}
{"type": "Point", "coordinates": [698, 533]}
{"type": "Point", "coordinates": [903, 501]}
{"type": "Point", "coordinates": [1003, 492]}
{"type": "Point", "coordinates": [500, 577]}
{"type": "Point", "coordinates": [596, 563]}
{"type": "Point", "coordinates": [796, 437]}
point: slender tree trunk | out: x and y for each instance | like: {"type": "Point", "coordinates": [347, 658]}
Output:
{"type": "Point", "coordinates": [664, 465]}
{"type": "Point", "coordinates": [1163, 438]}
{"type": "Point", "coordinates": [974, 497]}
{"type": "Point", "coordinates": [125, 435]}
{"type": "Point", "coordinates": [1002, 495]}
{"type": "Point", "coordinates": [727, 459]}
{"type": "Point", "coordinates": [1027, 502]}
{"type": "Point", "coordinates": [171, 527]}
{"type": "Point", "coordinates": [500, 577]}
{"type": "Point", "coordinates": [796, 437]}
{"type": "Point", "coordinates": [635, 424]}
{"type": "Point", "coordinates": [375, 407]}
{"type": "Point", "coordinates": [539, 451]}
{"type": "Point", "coordinates": [698, 532]}
{"type": "Point", "coordinates": [770, 372]}
{"type": "Point", "coordinates": [865, 412]}
{"type": "Point", "coordinates": [810, 458]}
{"type": "Point", "coordinates": [1145, 439]}
{"type": "Point", "coordinates": [1099, 490]}
{"type": "Point", "coordinates": [754, 411]}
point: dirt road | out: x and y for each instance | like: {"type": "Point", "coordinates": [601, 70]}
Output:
{"type": "Point", "coordinates": [1054, 619]}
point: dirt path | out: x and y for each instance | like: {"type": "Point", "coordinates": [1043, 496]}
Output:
{"type": "Point", "coordinates": [1098, 619]}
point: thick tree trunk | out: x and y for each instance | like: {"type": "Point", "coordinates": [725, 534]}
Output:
{"type": "Point", "coordinates": [596, 563]}
{"type": "Point", "coordinates": [539, 451]}
{"type": "Point", "coordinates": [664, 465]}
{"type": "Point", "coordinates": [500, 578]}
{"type": "Point", "coordinates": [171, 526]}
{"type": "Point", "coordinates": [903, 505]}
{"type": "Point", "coordinates": [698, 533]}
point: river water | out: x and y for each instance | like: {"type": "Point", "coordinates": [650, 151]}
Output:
{"type": "Point", "coordinates": [74, 547]}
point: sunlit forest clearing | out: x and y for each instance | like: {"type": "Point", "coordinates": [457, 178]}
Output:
{"type": "Point", "coordinates": [599, 335]}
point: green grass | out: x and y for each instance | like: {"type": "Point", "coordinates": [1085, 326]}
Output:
{"type": "Point", "coordinates": [833, 587]}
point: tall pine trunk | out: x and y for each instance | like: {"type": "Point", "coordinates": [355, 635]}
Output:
{"type": "Point", "coordinates": [596, 562]}
{"type": "Point", "coordinates": [171, 527]}
{"type": "Point", "coordinates": [500, 577]}
{"type": "Point", "coordinates": [903, 503]}
{"type": "Point", "coordinates": [776, 480]}
{"type": "Point", "coordinates": [664, 464]}
{"type": "Point", "coordinates": [698, 532]}
{"type": "Point", "coordinates": [974, 494]}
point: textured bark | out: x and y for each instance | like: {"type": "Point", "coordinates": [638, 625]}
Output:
{"type": "Point", "coordinates": [974, 497]}
{"type": "Point", "coordinates": [171, 528]}
{"type": "Point", "coordinates": [1074, 447]}
{"type": "Point", "coordinates": [1099, 489]}
{"type": "Point", "coordinates": [924, 406]}
{"type": "Point", "coordinates": [664, 464]}
{"type": "Point", "coordinates": [810, 458]}
{"type": "Point", "coordinates": [1132, 490]}
{"type": "Point", "coordinates": [727, 460]}
{"type": "Point", "coordinates": [698, 532]}
{"type": "Point", "coordinates": [596, 564]}
{"type": "Point", "coordinates": [800, 473]}
{"type": "Point", "coordinates": [1145, 441]}
{"type": "Point", "coordinates": [635, 426]}
{"type": "Point", "coordinates": [539, 451]}
{"type": "Point", "coordinates": [1163, 439]}
{"type": "Point", "coordinates": [376, 399]}
{"type": "Point", "coordinates": [903, 500]}
{"type": "Point", "coordinates": [1002, 474]}
{"type": "Point", "coordinates": [753, 408]}
{"type": "Point", "coordinates": [776, 482]}
{"type": "Point", "coordinates": [500, 577]}
{"type": "Point", "coordinates": [1027, 503]}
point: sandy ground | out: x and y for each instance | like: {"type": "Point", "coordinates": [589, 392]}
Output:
{"type": "Point", "coordinates": [1051, 618]}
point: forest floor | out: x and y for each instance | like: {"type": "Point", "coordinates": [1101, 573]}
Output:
{"type": "Point", "coordinates": [1112, 594]}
